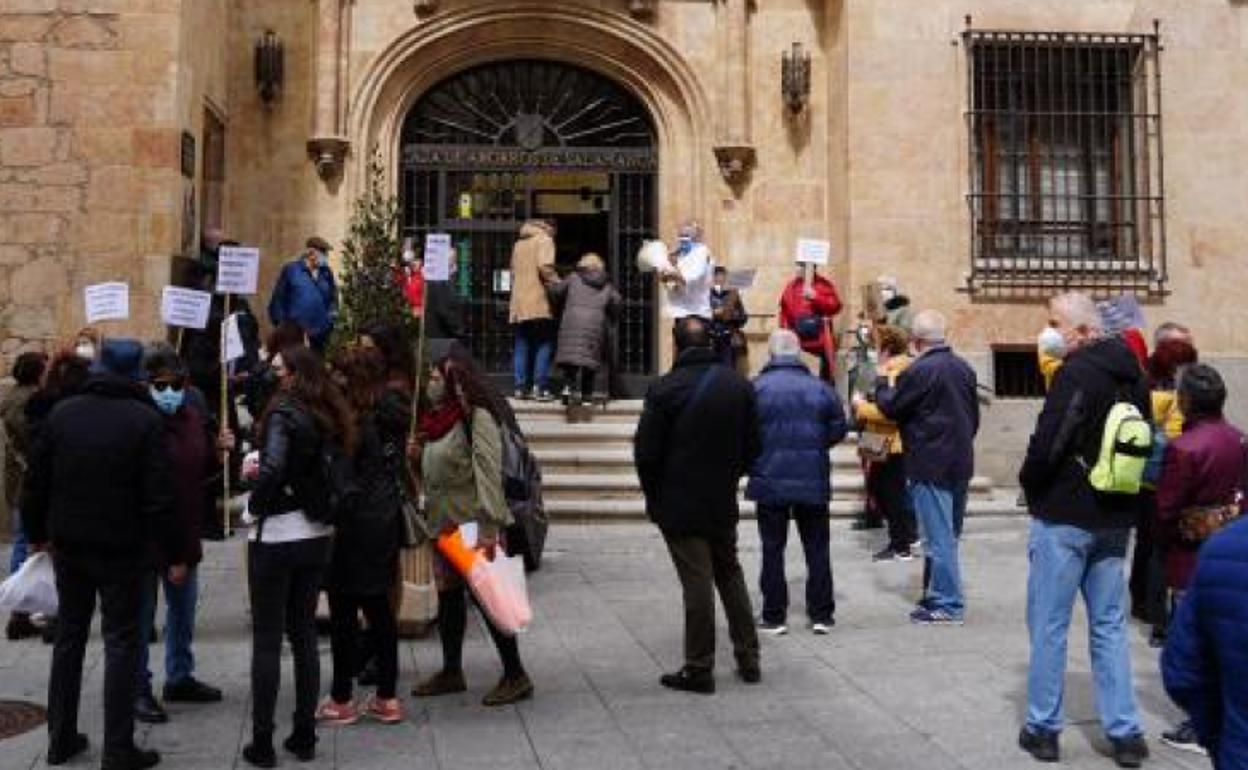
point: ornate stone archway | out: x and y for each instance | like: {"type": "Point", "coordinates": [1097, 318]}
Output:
{"type": "Point", "coordinates": [612, 44]}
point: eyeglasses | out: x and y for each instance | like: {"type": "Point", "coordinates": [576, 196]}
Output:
{"type": "Point", "coordinates": [161, 387]}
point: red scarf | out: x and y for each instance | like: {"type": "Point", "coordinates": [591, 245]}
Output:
{"type": "Point", "coordinates": [436, 423]}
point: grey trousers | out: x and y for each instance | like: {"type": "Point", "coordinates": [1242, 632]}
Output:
{"type": "Point", "coordinates": [704, 566]}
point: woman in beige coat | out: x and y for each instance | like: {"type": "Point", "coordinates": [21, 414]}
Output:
{"type": "Point", "coordinates": [532, 273]}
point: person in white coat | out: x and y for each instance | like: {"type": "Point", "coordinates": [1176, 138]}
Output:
{"type": "Point", "coordinates": [688, 280]}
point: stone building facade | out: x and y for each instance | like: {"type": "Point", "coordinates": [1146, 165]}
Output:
{"type": "Point", "coordinates": [127, 127]}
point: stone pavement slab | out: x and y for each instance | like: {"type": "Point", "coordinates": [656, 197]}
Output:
{"type": "Point", "coordinates": [876, 693]}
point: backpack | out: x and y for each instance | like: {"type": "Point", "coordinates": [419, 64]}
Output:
{"type": "Point", "coordinates": [1126, 445]}
{"type": "Point", "coordinates": [522, 488]}
{"type": "Point", "coordinates": [339, 492]}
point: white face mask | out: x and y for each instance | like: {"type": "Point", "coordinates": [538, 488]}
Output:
{"type": "Point", "coordinates": [85, 351]}
{"type": "Point", "coordinates": [888, 295]}
{"type": "Point", "coordinates": [1051, 342]}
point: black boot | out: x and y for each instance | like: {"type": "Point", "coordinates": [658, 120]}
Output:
{"type": "Point", "coordinates": [260, 754]}
{"type": "Point", "coordinates": [148, 710]}
{"type": "Point", "coordinates": [302, 743]}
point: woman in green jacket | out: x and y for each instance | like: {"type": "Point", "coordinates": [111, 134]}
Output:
{"type": "Point", "coordinates": [461, 458]}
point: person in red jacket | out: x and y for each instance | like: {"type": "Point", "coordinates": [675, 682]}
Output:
{"type": "Point", "coordinates": [808, 310]}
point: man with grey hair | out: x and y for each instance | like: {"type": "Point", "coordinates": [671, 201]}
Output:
{"type": "Point", "coordinates": [935, 404]}
{"type": "Point", "coordinates": [1078, 540]}
{"type": "Point", "coordinates": [800, 418]}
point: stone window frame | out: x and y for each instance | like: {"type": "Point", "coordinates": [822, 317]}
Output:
{"type": "Point", "coordinates": [1065, 163]}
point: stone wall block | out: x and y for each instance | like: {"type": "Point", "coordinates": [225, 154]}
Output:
{"type": "Point", "coordinates": [13, 254]}
{"type": "Point", "coordinates": [28, 59]}
{"type": "Point", "coordinates": [33, 228]}
{"type": "Point", "coordinates": [55, 174]}
{"type": "Point", "coordinates": [156, 147]}
{"type": "Point", "coordinates": [39, 198]}
{"type": "Point", "coordinates": [24, 27]}
{"type": "Point", "coordinates": [27, 146]}
{"type": "Point", "coordinates": [17, 111]}
{"type": "Point", "coordinates": [39, 280]}
{"type": "Point", "coordinates": [29, 321]}
{"type": "Point", "coordinates": [84, 31]}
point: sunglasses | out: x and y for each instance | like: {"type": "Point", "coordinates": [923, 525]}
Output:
{"type": "Point", "coordinates": [161, 387]}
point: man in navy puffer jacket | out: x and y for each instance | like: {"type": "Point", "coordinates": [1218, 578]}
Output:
{"type": "Point", "coordinates": [800, 418]}
{"type": "Point", "coordinates": [1205, 664]}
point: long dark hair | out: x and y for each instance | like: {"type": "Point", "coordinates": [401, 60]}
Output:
{"type": "Point", "coordinates": [400, 363]}
{"type": "Point", "coordinates": [285, 335]}
{"type": "Point", "coordinates": [464, 380]}
{"type": "Point", "coordinates": [364, 370]}
{"type": "Point", "coordinates": [65, 376]}
{"type": "Point", "coordinates": [313, 390]}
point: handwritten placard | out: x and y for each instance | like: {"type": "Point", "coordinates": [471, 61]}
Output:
{"type": "Point", "coordinates": [813, 252]}
{"type": "Point", "coordinates": [186, 308]}
{"type": "Point", "coordinates": [438, 253]}
{"type": "Point", "coordinates": [107, 301]}
{"type": "Point", "coordinates": [238, 270]}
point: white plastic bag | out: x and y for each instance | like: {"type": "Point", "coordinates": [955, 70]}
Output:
{"type": "Point", "coordinates": [32, 588]}
{"type": "Point", "coordinates": [501, 588]}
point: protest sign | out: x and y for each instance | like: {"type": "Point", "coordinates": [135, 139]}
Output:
{"type": "Point", "coordinates": [107, 301]}
{"type": "Point", "coordinates": [813, 252]}
{"type": "Point", "coordinates": [185, 308]}
{"type": "Point", "coordinates": [238, 270]}
{"type": "Point", "coordinates": [438, 255]}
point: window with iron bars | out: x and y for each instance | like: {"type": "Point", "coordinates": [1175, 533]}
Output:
{"type": "Point", "coordinates": [1067, 186]}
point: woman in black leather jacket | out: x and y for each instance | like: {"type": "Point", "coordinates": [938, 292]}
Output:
{"type": "Point", "coordinates": [289, 551]}
{"type": "Point", "coordinates": [365, 566]}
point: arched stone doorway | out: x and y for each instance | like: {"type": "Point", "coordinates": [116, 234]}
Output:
{"type": "Point", "coordinates": [496, 144]}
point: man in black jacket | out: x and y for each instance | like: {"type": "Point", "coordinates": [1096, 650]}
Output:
{"type": "Point", "coordinates": [98, 491]}
{"type": "Point", "coordinates": [697, 437]}
{"type": "Point", "coordinates": [1079, 536]}
{"type": "Point", "coordinates": [936, 406]}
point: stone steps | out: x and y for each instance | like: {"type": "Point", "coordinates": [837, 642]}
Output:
{"type": "Point", "coordinates": [589, 459]}
{"type": "Point", "coordinates": [623, 486]}
{"type": "Point", "coordinates": [634, 509]}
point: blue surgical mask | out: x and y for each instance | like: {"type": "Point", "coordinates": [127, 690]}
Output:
{"type": "Point", "coordinates": [168, 400]}
{"type": "Point", "coordinates": [322, 259]}
{"type": "Point", "coordinates": [684, 245]}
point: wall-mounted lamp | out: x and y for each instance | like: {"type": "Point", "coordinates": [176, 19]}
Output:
{"type": "Point", "coordinates": [795, 78]}
{"type": "Point", "coordinates": [641, 9]}
{"type": "Point", "coordinates": [423, 7]}
{"type": "Point", "coordinates": [269, 66]}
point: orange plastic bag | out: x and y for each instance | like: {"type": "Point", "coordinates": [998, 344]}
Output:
{"type": "Point", "coordinates": [499, 585]}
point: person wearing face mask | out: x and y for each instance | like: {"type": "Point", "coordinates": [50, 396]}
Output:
{"type": "Point", "coordinates": [897, 310]}
{"type": "Point", "coordinates": [807, 306]}
{"type": "Point", "coordinates": [728, 318]}
{"type": "Point", "coordinates": [194, 457]}
{"type": "Point", "coordinates": [459, 447]}
{"type": "Point", "coordinates": [87, 343]}
{"type": "Point", "coordinates": [307, 294]}
{"type": "Point", "coordinates": [689, 275]}
{"type": "Point", "coordinates": [1079, 535]}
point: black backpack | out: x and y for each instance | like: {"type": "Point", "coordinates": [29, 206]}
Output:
{"type": "Point", "coordinates": [337, 492]}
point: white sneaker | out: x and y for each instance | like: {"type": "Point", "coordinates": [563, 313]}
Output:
{"type": "Point", "coordinates": [821, 629]}
{"type": "Point", "coordinates": [772, 629]}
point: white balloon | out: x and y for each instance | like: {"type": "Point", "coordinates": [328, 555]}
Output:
{"type": "Point", "coordinates": [652, 256]}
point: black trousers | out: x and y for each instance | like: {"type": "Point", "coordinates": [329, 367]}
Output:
{"type": "Point", "coordinates": [888, 486]}
{"type": "Point", "coordinates": [704, 566]}
{"type": "Point", "coordinates": [580, 379]}
{"type": "Point", "coordinates": [118, 582]}
{"type": "Point", "coordinates": [813, 529]}
{"type": "Point", "coordinates": [1148, 580]}
{"type": "Point", "coordinates": [345, 642]}
{"type": "Point", "coordinates": [284, 580]}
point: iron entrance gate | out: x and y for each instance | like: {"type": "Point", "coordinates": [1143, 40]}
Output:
{"type": "Point", "coordinates": [497, 145]}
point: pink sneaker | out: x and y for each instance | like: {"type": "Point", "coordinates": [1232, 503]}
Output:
{"type": "Point", "coordinates": [332, 712]}
{"type": "Point", "coordinates": [388, 711]}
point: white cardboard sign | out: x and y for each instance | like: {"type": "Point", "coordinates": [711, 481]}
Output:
{"type": "Point", "coordinates": [107, 301]}
{"type": "Point", "coordinates": [186, 308]}
{"type": "Point", "coordinates": [238, 270]}
{"type": "Point", "coordinates": [438, 253]}
{"type": "Point", "coordinates": [231, 340]}
{"type": "Point", "coordinates": [813, 252]}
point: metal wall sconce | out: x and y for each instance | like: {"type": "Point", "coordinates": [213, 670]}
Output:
{"type": "Point", "coordinates": [269, 66]}
{"type": "Point", "coordinates": [795, 78]}
{"type": "Point", "coordinates": [641, 9]}
{"type": "Point", "coordinates": [422, 7]}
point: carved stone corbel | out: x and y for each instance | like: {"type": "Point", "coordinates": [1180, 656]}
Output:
{"type": "Point", "coordinates": [328, 145]}
{"type": "Point", "coordinates": [735, 152]}
{"type": "Point", "coordinates": [642, 9]}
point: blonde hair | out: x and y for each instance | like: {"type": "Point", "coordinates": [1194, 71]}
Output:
{"type": "Point", "coordinates": [592, 261]}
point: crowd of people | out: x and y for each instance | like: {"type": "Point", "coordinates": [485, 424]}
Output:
{"type": "Point", "coordinates": [114, 451]}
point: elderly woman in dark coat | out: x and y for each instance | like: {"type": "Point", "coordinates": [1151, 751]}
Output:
{"type": "Point", "coordinates": [589, 304]}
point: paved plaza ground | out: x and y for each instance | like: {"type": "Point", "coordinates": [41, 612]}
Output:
{"type": "Point", "coordinates": [877, 693]}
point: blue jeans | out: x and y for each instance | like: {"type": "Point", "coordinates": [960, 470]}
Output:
{"type": "Point", "coordinates": [534, 339]}
{"type": "Point", "coordinates": [934, 508]}
{"type": "Point", "coordinates": [180, 604]}
{"type": "Point", "coordinates": [1064, 561]}
{"type": "Point", "coordinates": [812, 528]}
{"type": "Point", "coordinates": [20, 544]}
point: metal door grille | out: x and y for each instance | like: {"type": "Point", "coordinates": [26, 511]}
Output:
{"type": "Point", "coordinates": [474, 147]}
{"type": "Point", "coordinates": [1067, 188]}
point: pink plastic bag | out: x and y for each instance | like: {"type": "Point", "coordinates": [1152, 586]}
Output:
{"type": "Point", "coordinates": [500, 586]}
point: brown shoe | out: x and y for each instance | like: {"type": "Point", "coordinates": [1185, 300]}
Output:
{"type": "Point", "coordinates": [509, 691]}
{"type": "Point", "coordinates": [442, 683]}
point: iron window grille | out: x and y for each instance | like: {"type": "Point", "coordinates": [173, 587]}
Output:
{"type": "Point", "coordinates": [1016, 372]}
{"type": "Point", "coordinates": [1066, 183]}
